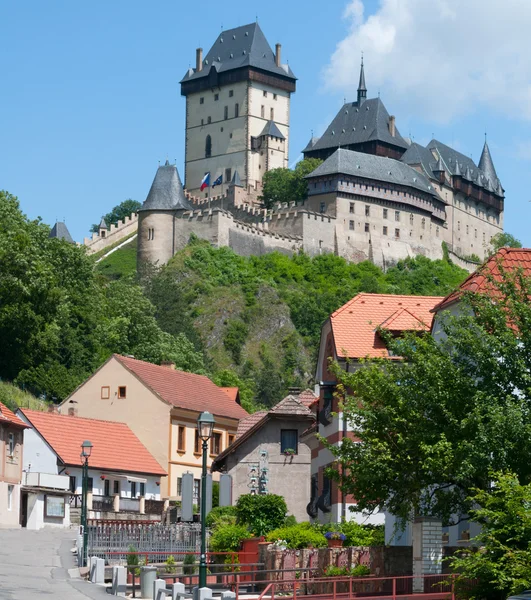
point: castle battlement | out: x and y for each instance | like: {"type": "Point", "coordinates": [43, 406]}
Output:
{"type": "Point", "coordinates": [110, 236]}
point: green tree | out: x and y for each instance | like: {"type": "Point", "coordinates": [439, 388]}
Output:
{"type": "Point", "coordinates": [503, 240]}
{"type": "Point", "coordinates": [261, 513]}
{"type": "Point", "coordinates": [118, 213]}
{"type": "Point", "coordinates": [246, 387]}
{"type": "Point", "coordinates": [502, 565]}
{"type": "Point", "coordinates": [434, 425]}
{"type": "Point", "coordinates": [286, 185]}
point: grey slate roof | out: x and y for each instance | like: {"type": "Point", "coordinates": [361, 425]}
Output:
{"type": "Point", "coordinates": [102, 224]}
{"type": "Point", "coordinates": [236, 179]}
{"type": "Point", "coordinates": [272, 129]}
{"type": "Point", "coordinates": [311, 143]}
{"type": "Point", "coordinates": [420, 155]}
{"type": "Point", "coordinates": [355, 124]}
{"type": "Point", "coordinates": [486, 164]}
{"type": "Point", "coordinates": [60, 231]}
{"type": "Point", "coordinates": [369, 166]}
{"type": "Point", "coordinates": [244, 46]}
{"type": "Point", "coordinates": [166, 191]}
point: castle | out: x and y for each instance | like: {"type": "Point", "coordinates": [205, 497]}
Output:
{"type": "Point", "coordinates": [376, 196]}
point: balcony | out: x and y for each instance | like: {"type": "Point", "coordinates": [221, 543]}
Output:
{"type": "Point", "coordinates": [46, 480]}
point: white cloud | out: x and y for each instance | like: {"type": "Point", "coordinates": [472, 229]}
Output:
{"type": "Point", "coordinates": [439, 58]}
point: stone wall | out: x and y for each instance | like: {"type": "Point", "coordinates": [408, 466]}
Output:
{"type": "Point", "coordinates": [114, 234]}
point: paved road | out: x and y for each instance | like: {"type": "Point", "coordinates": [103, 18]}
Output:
{"type": "Point", "coordinates": [35, 564]}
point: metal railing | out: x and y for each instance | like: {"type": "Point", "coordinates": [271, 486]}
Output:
{"type": "Point", "coordinates": [129, 505]}
{"type": "Point", "coordinates": [75, 501]}
{"type": "Point", "coordinates": [103, 503]}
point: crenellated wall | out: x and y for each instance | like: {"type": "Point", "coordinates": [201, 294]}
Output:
{"type": "Point", "coordinates": [114, 234]}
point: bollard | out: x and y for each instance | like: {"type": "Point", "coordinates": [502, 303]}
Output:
{"type": "Point", "coordinates": [92, 569]}
{"type": "Point", "coordinates": [99, 571]}
{"type": "Point", "coordinates": [119, 581]}
{"type": "Point", "coordinates": [202, 593]}
{"type": "Point", "coordinates": [147, 579]}
{"type": "Point", "coordinates": [158, 584]}
{"type": "Point", "coordinates": [177, 589]}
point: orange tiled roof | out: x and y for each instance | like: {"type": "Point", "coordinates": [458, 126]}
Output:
{"type": "Point", "coordinates": [307, 397]}
{"type": "Point", "coordinates": [185, 390]}
{"type": "Point", "coordinates": [115, 446]}
{"type": "Point", "coordinates": [232, 392]}
{"type": "Point", "coordinates": [9, 417]}
{"type": "Point", "coordinates": [354, 325]}
{"type": "Point", "coordinates": [510, 259]}
{"type": "Point", "coordinates": [245, 424]}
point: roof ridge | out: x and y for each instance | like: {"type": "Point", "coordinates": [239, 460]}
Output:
{"type": "Point", "coordinates": [65, 416]}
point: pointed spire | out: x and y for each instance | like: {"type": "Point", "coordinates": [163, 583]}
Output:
{"type": "Point", "coordinates": [166, 191]}
{"type": "Point", "coordinates": [102, 224]}
{"type": "Point", "coordinates": [457, 170]}
{"type": "Point", "coordinates": [362, 89]}
{"type": "Point", "coordinates": [440, 166]}
{"type": "Point", "coordinates": [468, 174]}
{"type": "Point", "coordinates": [486, 164]}
{"type": "Point", "coordinates": [236, 181]}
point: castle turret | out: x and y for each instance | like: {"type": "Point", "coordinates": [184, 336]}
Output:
{"type": "Point", "coordinates": [60, 231]}
{"type": "Point", "coordinates": [166, 197]}
{"type": "Point", "coordinates": [102, 228]}
{"type": "Point", "coordinates": [362, 88]}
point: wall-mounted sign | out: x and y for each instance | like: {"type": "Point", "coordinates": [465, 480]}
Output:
{"type": "Point", "coordinates": [54, 506]}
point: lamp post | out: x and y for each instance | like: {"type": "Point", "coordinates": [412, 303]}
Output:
{"type": "Point", "coordinates": [205, 425]}
{"type": "Point", "coordinates": [86, 449]}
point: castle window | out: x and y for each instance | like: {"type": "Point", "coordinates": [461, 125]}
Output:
{"type": "Point", "coordinates": [385, 230]}
{"type": "Point", "coordinates": [397, 215]}
{"type": "Point", "coordinates": [367, 211]}
{"type": "Point", "coordinates": [437, 232]}
{"type": "Point", "coordinates": [385, 211]}
{"type": "Point", "coordinates": [228, 175]}
{"type": "Point", "coordinates": [102, 233]}
{"type": "Point", "coordinates": [236, 110]}
{"type": "Point", "coordinates": [209, 119]}
{"type": "Point", "coordinates": [458, 225]}
{"type": "Point", "coordinates": [483, 237]}
{"type": "Point", "coordinates": [272, 114]}
{"type": "Point", "coordinates": [216, 97]}
{"type": "Point", "coordinates": [366, 228]}
{"type": "Point", "coordinates": [322, 207]}
{"type": "Point", "coordinates": [202, 121]}
{"type": "Point", "coordinates": [397, 233]}
{"type": "Point", "coordinates": [262, 111]}
{"type": "Point", "coordinates": [411, 218]}
{"type": "Point", "coordinates": [351, 224]}
{"type": "Point", "coordinates": [208, 146]}
{"type": "Point", "coordinates": [230, 135]}
{"type": "Point", "coordinates": [475, 233]}
{"type": "Point", "coordinates": [265, 94]}
{"type": "Point", "coordinates": [231, 93]}
{"type": "Point", "coordinates": [351, 208]}
{"type": "Point", "coordinates": [201, 100]}
{"type": "Point", "coordinates": [226, 113]}
{"type": "Point", "coordinates": [274, 96]}
{"type": "Point", "coordinates": [467, 229]}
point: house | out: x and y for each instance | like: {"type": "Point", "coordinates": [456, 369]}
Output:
{"type": "Point", "coordinates": [268, 455]}
{"type": "Point", "coordinates": [160, 405]}
{"type": "Point", "coordinates": [11, 457]}
{"type": "Point", "coordinates": [349, 335]}
{"type": "Point", "coordinates": [122, 476]}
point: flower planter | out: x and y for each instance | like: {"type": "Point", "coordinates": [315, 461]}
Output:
{"type": "Point", "coordinates": [335, 543]}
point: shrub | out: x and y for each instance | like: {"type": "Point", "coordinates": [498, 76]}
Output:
{"type": "Point", "coordinates": [290, 521]}
{"type": "Point", "coordinates": [189, 564]}
{"type": "Point", "coordinates": [227, 538]}
{"type": "Point", "coordinates": [170, 564]}
{"type": "Point", "coordinates": [357, 571]}
{"type": "Point", "coordinates": [299, 536]}
{"type": "Point", "coordinates": [221, 515]}
{"type": "Point", "coordinates": [261, 514]}
{"type": "Point", "coordinates": [133, 560]}
{"type": "Point", "coordinates": [356, 534]}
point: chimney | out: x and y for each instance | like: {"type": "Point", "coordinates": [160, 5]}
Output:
{"type": "Point", "coordinates": [392, 126]}
{"type": "Point", "coordinates": [52, 408]}
{"type": "Point", "coordinates": [277, 54]}
{"type": "Point", "coordinates": [199, 59]}
{"type": "Point", "coordinates": [72, 411]}
{"type": "Point", "coordinates": [168, 364]}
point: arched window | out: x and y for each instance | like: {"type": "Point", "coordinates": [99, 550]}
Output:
{"type": "Point", "coordinates": [208, 147]}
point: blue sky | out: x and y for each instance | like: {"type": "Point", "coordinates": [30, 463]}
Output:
{"type": "Point", "coordinates": [91, 100]}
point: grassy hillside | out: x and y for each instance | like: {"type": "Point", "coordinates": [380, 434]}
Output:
{"type": "Point", "coordinates": [121, 263]}
{"type": "Point", "coordinates": [13, 397]}
{"type": "Point", "coordinates": [257, 320]}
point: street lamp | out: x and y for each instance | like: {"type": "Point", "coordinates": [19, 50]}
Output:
{"type": "Point", "coordinates": [86, 450]}
{"type": "Point", "coordinates": [205, 425]}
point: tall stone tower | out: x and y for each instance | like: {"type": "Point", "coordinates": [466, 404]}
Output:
{"type": "Point", "coordinates": [166, 197]}
{"type": "Point", "coordinates": [237, 110]}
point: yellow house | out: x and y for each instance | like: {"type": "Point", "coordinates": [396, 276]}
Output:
{"type": "Point", "coordinates": [160, 405]}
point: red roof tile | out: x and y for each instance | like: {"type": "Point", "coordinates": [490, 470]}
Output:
{"type": "Point", "coordinates": [115, 446]}
{"type": "Point", "coordinates": [307, 397]}
{"type": "Point", "coordinates": [232, 392]}
{"type": "Point", "coordinates": [185, 390]}
{"type": "Point", "coordinates": [245, 424]}
{"type": "Point", "coordinates": [354, 325]}
{"type": "Point", "coordinates": [510, 259]}
{"type": "Point", "coordinates": [8, 416]}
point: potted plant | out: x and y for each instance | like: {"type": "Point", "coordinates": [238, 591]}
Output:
{"type": "Point", "coordinates": [335, 539]}
{"type": "Point", "coordinates": [132, 561]}
{"type": "Point", "coordinates": [289, 452]}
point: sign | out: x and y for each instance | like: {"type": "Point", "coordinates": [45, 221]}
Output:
{"type": "Point", "coordinates": [54, 506]}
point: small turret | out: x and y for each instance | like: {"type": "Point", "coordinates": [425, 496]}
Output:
{"type": "Point", "coordinates": [102, 228]}
{"type": "Point", "coordinates": [362, 89]}
{"type": "Point", "coordinates": [439, 170]}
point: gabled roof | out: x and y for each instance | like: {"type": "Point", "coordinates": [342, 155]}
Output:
{"type": "Point", "coordinates": [509, 259]}
{"type": "Point", "coordinates": [308, 398]}
{"type": "Point", "coordinates": [310, 145]}
{"type": "Point", "coordinates": [184, 390]}
{"type": "Point", "coordinates": [369, 166]}
{"type": "Point", "coordinates": [289, 407]}
{"type": "Point", "coordinates": [60, 231]}
{"type": "Point", "coordinates": [8, 417]}
{"type": "Point", "coordinates": [356, 124]}
{"type": "Point", "coordinates": [114, 446]}
{"type": "Point", "coordinates": [419, 155]}
{"type": "Point", "coordinates": [271, 129]}
{"type": "Point", "coordinates": [355, 324]}
{"type": "Point", "coordinates": [244, 46]}
{"type": "Point", "coordinates": [166, 191]}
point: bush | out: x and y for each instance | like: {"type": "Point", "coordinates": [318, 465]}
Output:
{"type": "Point", "coordinates": [170, 564]}
{"type": "Point", "coordinates": [290, 521]}
{"type": "Point", "coordinates": [133, 560]}
{"type": "Point", "coordinates": [221, 515]}
{"type": "Point", "coordinates": [357, 571]}
{"type": "Point", "coordinates": [299, 536]}
{"type": "Point", "coordinates": [227, 538]}
{"type": "Point", "coordinates": [356, 534]}
{"type": "Point", "coordinates": [261, 514]}
{"type": "Point", "coordinates": [189, 564]}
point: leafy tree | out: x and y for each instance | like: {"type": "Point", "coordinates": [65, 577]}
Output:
{"type": "Point", "coordinates": [503, 240]}
{"type": "Point", "coordinates": [502, 566]}
{"type": "Point", "coordinates": [286, 185]}
{"type": "Point", "coordinates": [435, 425]}
{"type": "Point", "coordinates": [118, 213]}
{"type": "Point", "coordinates": [261, 513]}
{"type": "Point", "coordinates": [228, 378]}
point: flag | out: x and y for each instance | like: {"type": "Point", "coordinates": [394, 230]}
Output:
{"type": "Point", "coordinates": [205, 182]}
{"type": "Point", "coordinates": [218, 181]}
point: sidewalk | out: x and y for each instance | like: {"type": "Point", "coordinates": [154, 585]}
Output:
{"type": "Point", "coordinates": [34, 564]}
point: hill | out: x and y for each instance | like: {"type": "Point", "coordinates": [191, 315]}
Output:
{"type": "Point", "coordinates": [13, 397]}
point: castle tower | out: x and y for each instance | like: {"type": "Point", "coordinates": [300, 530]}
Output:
{"type": "Point", "coordinates": [231, 97]}
{"type": "Point", "coordinates": [102, 228]}
{"type": "Point", "coordinates": [156, 217]}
